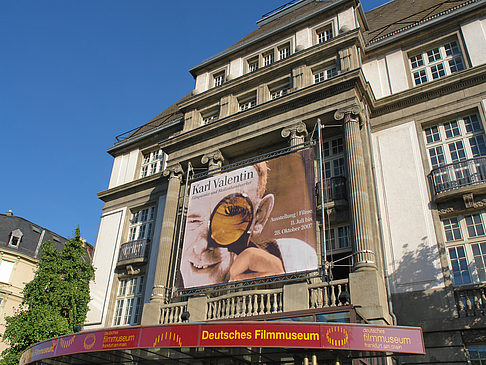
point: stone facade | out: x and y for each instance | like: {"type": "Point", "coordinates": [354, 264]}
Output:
{"type": "Point", "coordinates": [395, 101]}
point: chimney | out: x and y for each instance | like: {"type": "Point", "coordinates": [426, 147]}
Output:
{"type": "Point", "coordinates": [9, 212]}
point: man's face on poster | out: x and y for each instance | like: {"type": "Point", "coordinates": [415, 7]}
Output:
{"type": "Point", "coordinates": [203, 262]}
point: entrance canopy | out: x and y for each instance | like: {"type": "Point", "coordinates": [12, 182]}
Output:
{"type": "Point", "coordinates": [245, 342]}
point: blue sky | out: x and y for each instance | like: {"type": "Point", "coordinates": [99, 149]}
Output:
{"type": "Point", "coordinates": [74, 74]}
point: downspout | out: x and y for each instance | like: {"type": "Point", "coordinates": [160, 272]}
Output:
{"type": "Point", "coordinates": [380, 222]}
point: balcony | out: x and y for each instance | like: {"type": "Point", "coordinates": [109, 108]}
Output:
{"type": "Point", "coordinates": [471, 301]}
{"type": "Point", "coordinates": [334, 189]}
{"type": "Point", "coordinates": [448, 179]}
{"type": "Point", "coordinates": [136, 251]}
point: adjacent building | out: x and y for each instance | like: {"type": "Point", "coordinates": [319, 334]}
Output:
{"type": "Point", "coordinates": [328, 167]}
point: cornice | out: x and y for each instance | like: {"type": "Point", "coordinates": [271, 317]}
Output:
{"type": "Point", "coordinates": [352, 37]}
{"type": "Point", "coordinates": [106, 195]}
{"type": "Point", "coordinates": [431, 90]}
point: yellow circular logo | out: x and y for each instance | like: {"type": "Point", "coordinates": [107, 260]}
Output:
{"type": "Point", "coordinates": [337, 336]}
{"type": "Point", "coordinates": [89, 341]}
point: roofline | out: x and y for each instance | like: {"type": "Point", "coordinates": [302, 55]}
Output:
{"type": "Point", "coordinates": [128, 141]}
{"type": "Point", "coordinates": [35, 224]}
{"type": "Point", "coordinates": [243, 45]}
{"type": "Point", "coordinates": [400, 34]}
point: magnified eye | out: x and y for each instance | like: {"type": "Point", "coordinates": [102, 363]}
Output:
{"type": "Point", "coordinates": [230, 220]}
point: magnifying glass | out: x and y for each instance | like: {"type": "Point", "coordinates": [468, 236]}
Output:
{"type": "Point", "coordinates": [230, 222]}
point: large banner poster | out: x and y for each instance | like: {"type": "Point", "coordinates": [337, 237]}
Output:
{"type": "Point", "coordinates": [252, 222]}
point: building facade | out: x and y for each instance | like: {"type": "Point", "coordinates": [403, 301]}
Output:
{"type": "Point", "coordinates": [20, 242]}
{"type": "Point", "coordinates": [390, 103]}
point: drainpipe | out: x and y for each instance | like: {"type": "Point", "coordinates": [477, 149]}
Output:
{"type": "Point", "coordinates": [380, 222]}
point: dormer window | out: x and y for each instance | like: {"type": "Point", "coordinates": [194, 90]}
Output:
{"type": "Point", "coordinates": [279, 90]}
{"type": "Point", "coordinates": [324, 34]}
{"type": "Point", "coordinates": [253, 64]}
{"type": "Point", "coordinates": [247, 102]}
{"type": "Point", "coordinates": [218, 79]}
{"type": "Point", "coordinates": [284, 51]}
{"type": "Point", "coordinates": [268, 58]}
{"type": "Point", "coordinates": [210, 116]}
{"type": "Point", "coordinates": [152, 163]}
{"type": "Point", "coordinates": [15, 238]}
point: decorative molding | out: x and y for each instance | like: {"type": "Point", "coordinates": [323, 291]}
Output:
{"type": "Point", "coordinates": [215, 159]}
{"type": "Point", "coordinates": [174, 171]}
{"type": "Point", "coordinates": [353, 109]}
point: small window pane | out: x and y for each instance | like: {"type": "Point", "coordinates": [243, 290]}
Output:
{"type": "Point", "coordinates": [452, 229]}
{"type": "Point", "coordinates": [417, 61]}
{"type": "Point", "coordinates": [452, 129]}
{"type": "Point", "coordinates": [459, 266]}
{"type": "Point", "coordinates": [474, 225]}
{"type": "Point", "coordinates": [437, 71]}
{"type": "Point", "coordinates": [433, 55]}
{"type": "Point", "coordinates": [420, 77]}
{"type": "Point", "coordinates": [432, 134]}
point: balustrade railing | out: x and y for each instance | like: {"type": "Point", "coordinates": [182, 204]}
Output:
{"type": "Point", "coordinates": [245, 304]}
{"type": "Point", "coordinates": [171, 313]}
{"type": "Point", "coordinates": [471, 302]}
{"type": "Point", "coordinates": [134, 250]}
{"type": "Point", "coordinates": [334, 189]}
{"type": "Point", "coordinates": [458, 174]}
{"type": "Point", "coordinates": [326, 295]}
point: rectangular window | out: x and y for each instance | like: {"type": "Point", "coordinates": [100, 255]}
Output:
{"type": "Point", "coordinates": [467, 253]}
{"type": "Point", "coordinates": [218, 79]}
{"type": "Point", "coordinates": [247, 102]}
{"type": "Point", "coordinates": [152, 163]}
{"type": "Point", "coordinates": [454, 141]}
{"type": "Point", "coordinates": [325, 74]}
{"type": "Point", "coordinates": [477, 355]}
{"type": "Point", "coordinates": [284, 52]}
{"type": "Point", "coordinates": [210, 116]}
{"type": "Point", "coordinates": [343, 240]}
{"type": "Point", "coordinates": [6, 268]}
{"type": "Point", "coordinates": [280, 90]}
{"type": "Point", "coordinates": [129, 302]}
{"type": "Point", "coordinates": [435, 63]}
{"type": "Point", "coordinates": [324, 35]}
{"type": "Point", "coordinates": [253, 64]}
{"type": "Point", "coordinates": [268, 58]}
{"type": "Point", "coordinates": [141, 224]}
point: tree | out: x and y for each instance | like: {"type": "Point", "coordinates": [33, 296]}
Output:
{"type": "Point", "coordinates": [54, 302]}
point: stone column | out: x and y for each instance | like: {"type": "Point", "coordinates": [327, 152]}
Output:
{"type": "Point", "coordinates": [214, 159]}
{"type": "Point", "coordinates": [297, 133]}
{"type": "Point", "coordinates": [151, 310]}
{"type": "Point", "coordinates": [363, 255]}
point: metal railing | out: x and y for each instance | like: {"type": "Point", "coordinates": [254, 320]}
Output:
{"type": "Point", "coordinates": [458, 174]}
{"type": "Point", "coordinates": [134, 250]}
{"type": "Point", "coordinates": [470, 302]}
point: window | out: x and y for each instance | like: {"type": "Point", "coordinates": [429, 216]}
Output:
{"type": "Point", "coordinates": [333, 151]}
{"type": "Point", "coordinates": [210, 116]}
{"type": "Point", "coordinates": [267, 58]}
{"type": "Point", "coordinates": [152, 163]}
{"type": "Point", "coordinates": [253, 64]}
{"type": "Point", "coordinates": [129, 302]}
{"type": "Point", "coordinates": [15, 238]}
{"type": "Point", "coordinates": [247, 102]}
{"type": "Point", "coordinates": [477, 355]}
{"type": "Point", "coordinates": [141, 224]}
{"type": "Point", "coordinates": [284, 51]}
{"type": "Point", "coordinates": [6, 268]}
{"type": "Point", "coordinates": [436, 62]}
{"type": "Point", "coordinates": [280, 90]}
{"type": "Point", "coordinates": [324, 74]}
{"type": "Point", "coordinates": [218, 79]}
{"type": "Point", "coordinates": [338, 238]}
{"type": "Point", "coordinates": [324, 34]}
{"type": "Point", "coordinates": [465, 238]}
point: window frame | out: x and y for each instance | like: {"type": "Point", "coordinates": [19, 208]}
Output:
{"type": "Point", "coordinates": [247, 101]}
{"type": "Point", "coordinates": [427, 65]}
{"type": "Point", "coordinates": [141, 223]}
{"type": "Point", "coordinates": [129, 301]}
{"type": "Point", "coordinates": [152, 162]}
{"type": "Point", "coordinates": [473, 247]}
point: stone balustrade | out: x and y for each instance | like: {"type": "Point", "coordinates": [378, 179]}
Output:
{"type": "Point", "coordinates": [326, 295]}
{"type": "Point", "coordinates": [245, 304]}
{"type": "Point", "coordinates": [470, 301]}
{"type": "Point", "coordinates": [171, 313]}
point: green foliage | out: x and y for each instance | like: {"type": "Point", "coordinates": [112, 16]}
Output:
{"type": "Point", "coordinates": [54, 301]}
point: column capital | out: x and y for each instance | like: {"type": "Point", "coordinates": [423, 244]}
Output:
{"type": "Point", "coordinates": [296, 132]}
{"type": "Point", "coordinates": [348, 112]}
{"type": "Point", "coordinates": [214, 159]}
{"type": "Point", "coordinates": [174, 171]}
